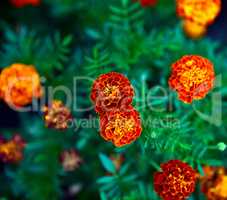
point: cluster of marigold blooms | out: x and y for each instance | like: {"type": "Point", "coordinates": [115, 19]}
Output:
{"type": "Point", "coordinates": [19, 86]}
{"type": "Point", "coordinates": [192, 77]}
{"type": "Point", "coordinates": [177, 181]}
{"type": "Point", "coordinates": [112, 95]}
{"type": "Point", "coordinates": [197, 15]}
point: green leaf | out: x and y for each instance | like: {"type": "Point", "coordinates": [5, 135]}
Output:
{"type": "Point", "coordinates": [106, 179]}
{"type": "Point", "coordinates": [103, 196]}
{"type": "Point", "coordinates": [67, 40]}
{"type": "Point", "coordinates": [107, 163]}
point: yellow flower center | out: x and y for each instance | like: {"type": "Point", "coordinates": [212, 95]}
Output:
{"type": "Point", "coordinates": [193, 76]}
{"type": "Point", "coordinates": [111, 90]}
{"type": "Point", "coordinates": [120, 126]}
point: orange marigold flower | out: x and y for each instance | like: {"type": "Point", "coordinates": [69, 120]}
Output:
{"type": "Point", "coordinates": [176, 181]}
{"type": "Point", "coordinates": [111, 91]}
{"type": "Point", "coordinates": [12, 150]}
{"type": "Point", "coordinates": [192, 77]}
{"type": "Point", "coordinates": [193, 29]}
{"type": "Point", "coordinates": [121, 127]}
{"type": "Point", "coordinates": [56, 115]}
{"type": "Point", "coordinates": [214, 183]}
{"type": "Point", "coordinates": [70, 160]}
{"type": "Point", "coordinates": [22, 3]}
{"type": "Point", "coordinates": [202, 12]}
{"type": "Point", "coordinates": [19, 84]}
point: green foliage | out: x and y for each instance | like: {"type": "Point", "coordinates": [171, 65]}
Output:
{"type": "Point", "coordinates": [116, 183]}
{"type": "Point", "coordinates": [98, 63]}
{"type": "Point", "coordinates": [24, 46]}
{"type": "Point", "coordinates": [126, 17]}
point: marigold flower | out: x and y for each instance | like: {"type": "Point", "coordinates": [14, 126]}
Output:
{"type": "Point", "coordinates": [22, 3]}
{"type": "Point", "coordinates": [176, 181]}
{"type": "Point", "coordinates": [146, 3]}
{"type": "Point", "coordinates": [70, 160]}
{"type": "Point", "coordinates": [19, 84]}
{"type": "Point", "coordinates": [121, 127]}
{"type": "Point", "coordinates": [12, 150]}
{"type": "Point", "coordinates": [111, 91]}
{"type": "Point", "coordinates": [214, 183]}
{"type": "Point", "coordinates": [192, 77]}
{"type": "Point", "coordinates": [202, 12]}
{"type": "Point", "coordinates": [193, 29]}
{"type": "Point", "coordinates": [56, 115]}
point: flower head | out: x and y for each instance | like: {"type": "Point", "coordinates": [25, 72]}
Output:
{"type": "Point", "coordinates": [12, 150]}
{"type": "Point", "coordinates": [192, 77]}
{"type": "Point", "coordinates": [56, 115]}
{"type": "Point", "coordinates": [121, 127]}
{"type": "Point", "coordinates": [193, 29]}
{"type": "Point", "coordinates": [111, 91]}
{"type": "Point", "coordinates": [22, 3]}
{"type": "Point", "coordinates": [19, 84]}
{"type": "Point", "coordinates": [70, 160]}
{"type": "Point", "coordinates": [214, 183]}
{"type": "Point", "coordinates": [176, 181]}
{"type": "Point", "coordinates": [202, 12]}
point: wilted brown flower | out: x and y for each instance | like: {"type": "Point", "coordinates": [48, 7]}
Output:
{"type": "Point", "coordinates": [70, 160]}
{"type": "Point", "coordinates": [12, 151]}
{"type": "Point", "coordinates": [56, 115]}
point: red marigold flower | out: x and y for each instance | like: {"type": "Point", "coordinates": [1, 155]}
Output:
{"type": "Point", "coordinates": [214, 183]}
{"type": "Point", "coordinates": [111, 91]}
{"type": "Point", "coordinates": [70, 160]}
{"type": "Point", "coordinates": [22, 3]}
{"type": "Point", "coordinates": [202, 12]}
{"type": "Point", "coordinates": [192, 77]}
{"type": "Point", "coordinates": [19, 84]}
{"type": "Point", "coordinates": [176, 181]}
{"type": "Point", "coordinates": [12, 150]}
{"type": "Point", "coordinates": [121, 127]}
{"type": "Point", "coordinates": [146, 3]}
{"type": "Point", "coordinates": [56, 115]}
